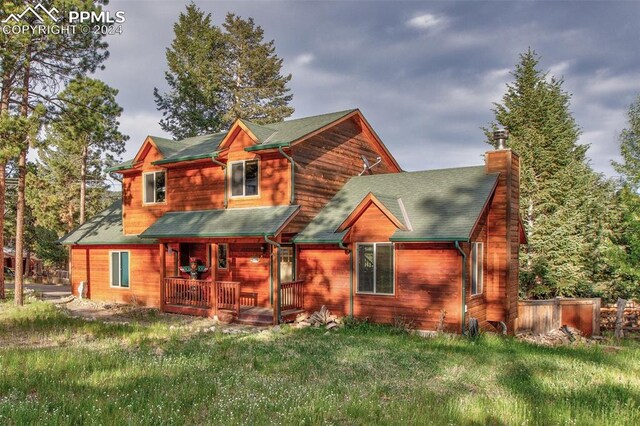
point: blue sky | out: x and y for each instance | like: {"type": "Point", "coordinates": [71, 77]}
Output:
{"type": "Point", "coordinates": [425, 74]}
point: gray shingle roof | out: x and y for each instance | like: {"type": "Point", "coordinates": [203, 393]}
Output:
{"type": "Point", "coordinates": [103, 228]}
{"type": "Point", "coordinates": [243, 222]}
{"type": "Point", "coordinates": [442, 205]}
{"type": "Point", "coordinates": [193, 148]}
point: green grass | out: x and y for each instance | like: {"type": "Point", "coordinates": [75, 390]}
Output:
{"type": "Point", "coordinates": [59, 370]}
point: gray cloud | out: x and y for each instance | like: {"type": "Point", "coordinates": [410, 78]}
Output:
{"type": "Point", "coordinates": [425, 74]}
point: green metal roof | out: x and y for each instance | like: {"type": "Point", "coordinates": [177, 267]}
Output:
{"type": "Point", "coordinates": [441, 205]}
{"type": "Point", "coordinates": [242, 222]}
{"type": "Point", "coordinates": [103, 228]}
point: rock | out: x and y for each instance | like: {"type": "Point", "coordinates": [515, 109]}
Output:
{"type": "Point", "coordinates": [303, 324]}
{"type": "Point", "coordinates": [331, 325]}
{"type": "Point", "coordinates": [302, 317]}
{"type": "Point", "coordinates": [276, 328]}
{"type": "Point", "coordinates": [212, 329]}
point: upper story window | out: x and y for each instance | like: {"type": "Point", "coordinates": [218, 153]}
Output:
{"type": "Point", "coordinates": [375, 268]}
{"type": "Point", "coordinates": [244, 178]}
{"type": "Point", "coordinates": [476, 268]}
{"type": "Point", "coordinates": [154, 187]}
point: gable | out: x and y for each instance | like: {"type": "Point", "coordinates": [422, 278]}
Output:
{"type": "Point", "coordinates": [388, 206]}
{"type": "Point", "coordinates": [371, 225]}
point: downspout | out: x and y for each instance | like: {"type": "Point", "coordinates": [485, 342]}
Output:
{"type": "Point", "coordinates": [464, 281]}
{"type": "Point", "coordinates": [224, 169]}
{"type": "Point", "coordinates": [342, 246]}
{"type": "Point", "coordinates": [274, 243]}
{"type": "Point", "coordinates": [293, 175]}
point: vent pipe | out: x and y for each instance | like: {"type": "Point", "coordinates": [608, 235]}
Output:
{"type": "Point", "coordinates": [500, 138]}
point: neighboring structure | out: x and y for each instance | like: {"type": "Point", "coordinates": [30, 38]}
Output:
{"type": "Point", "coordinates": [278, 220]}
{"type": "Point", "coordinates": [35, 264]}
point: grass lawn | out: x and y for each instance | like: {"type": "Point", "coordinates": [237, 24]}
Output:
{"type": "Point", "coordinates": [60, 370]}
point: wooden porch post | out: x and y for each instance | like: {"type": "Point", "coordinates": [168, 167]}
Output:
{"type": "Point", "coordinates": [214, 278]}
{"type": "Point", "coordinates": [276, 280]}
{"type": "Point", "coordinates": [163, 269]}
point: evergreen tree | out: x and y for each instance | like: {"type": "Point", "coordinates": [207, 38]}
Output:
{"type": "Point", "coordinates": [194, 103]}
{"type": "Point", "coordinates": [40, 63]}
{"type": "Point", "coordinates": [256, 90]}
{"type": "Point", "coordinates": [561, 198]}
{"type": "Point", "coordinates": [86, 133]}
{"type": "Point", "coordinates": [624, 254]}
{"type": "Point", "coordinates": [217, 75]}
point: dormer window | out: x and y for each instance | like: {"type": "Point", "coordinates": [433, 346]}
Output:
{"type": "Point", "coordinates": [244, 178]}
{"type": "Point", "coordinates": [154, 187]}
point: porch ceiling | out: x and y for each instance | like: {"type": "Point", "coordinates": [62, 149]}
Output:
{"type": "Point", "coordinates": [242, 222]}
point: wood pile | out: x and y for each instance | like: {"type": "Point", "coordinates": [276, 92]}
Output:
{"type": "Point", "coordinates": [556, 337]}
{"type": "Point", "coordinates": [321, 318]}
{"type": "Point", "coordinates": [630, 320]}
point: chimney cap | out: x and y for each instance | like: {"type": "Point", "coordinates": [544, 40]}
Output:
{"type": "Point", "coordinates": [500, 137]}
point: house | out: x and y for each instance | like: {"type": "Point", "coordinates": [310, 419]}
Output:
{"type": "Point", "coordinates": [263, 221]}
{"type": "Point", "coordinates": [35, 264]}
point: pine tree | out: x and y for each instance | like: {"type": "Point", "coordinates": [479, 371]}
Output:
{"type": "Point", "coordinates": [41, 63]}
{"type": "Point", "coordinates": [194, 104]}
{"type": "Point", "coordinates": [87, 130]}
{"type": "Point", "coordinates": [256, 90]}
{"type": "Point", "coordinates": [560, 195]}
{"type": "Point", "coordinates": [217, 75]}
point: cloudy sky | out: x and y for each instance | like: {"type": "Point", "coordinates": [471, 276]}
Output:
{"type": "Point", "coordinates": [425, 74]}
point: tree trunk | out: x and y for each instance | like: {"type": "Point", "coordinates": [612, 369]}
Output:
{"type": "Point", "coordinates": [619, 333]}
{"type": "Point", "coordinates": [20, 207]}
{"type": "Point", "coordinates": [83, 183]}
{"type": "Point", "coordinates": [3, 188]}
{"type": "Point", "coordinates": [4, 108]}
{"type": "Point", "coordinates": [22, 178]}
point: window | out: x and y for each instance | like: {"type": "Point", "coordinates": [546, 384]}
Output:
{"type": "Point", "coordinates": [286, 264]}
{"type": "Point", "coordinates": [375, 268]}
{"type": "Point", "coordinates": [476, 268]}
{"type": "Point", "coordinates": [223, 250]}
{"type": "Point", "coordinates": [154, 187]}
{"type": "Point", "coordinates": [120, 269]}
{"type": "Point", "coordinates": [244, 178]}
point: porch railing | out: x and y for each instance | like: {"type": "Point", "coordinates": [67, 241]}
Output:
{"type": "Point", "coordinates": [228, 296]}
{"type": "Point", "coordinates": [292, 295]}
{"type": "Point", "coordinates": [193, 293]}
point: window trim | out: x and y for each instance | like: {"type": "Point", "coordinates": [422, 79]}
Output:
{"type": "Point", "coordinates": [244, 179]}
{"type": "Point", "coordinates": [218, 256]}
{"type": "Point", "coordinates": [111, 268]}
{"type": "Point", "coordinates": [393, 266]}
{"type": "Point", "coordinates": [144, 188]}
{"type": "Point", "coordinates": [477, 262]}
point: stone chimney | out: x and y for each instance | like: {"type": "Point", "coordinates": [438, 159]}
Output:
{"type": "Point", "coordinates": [503, 234]}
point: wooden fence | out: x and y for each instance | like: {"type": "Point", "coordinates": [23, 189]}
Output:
{"type": "Point", "coordinates": [541, 316]}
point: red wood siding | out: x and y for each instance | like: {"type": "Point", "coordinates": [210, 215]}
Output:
{"type": "Point", "coordinates": [503, 239]}
{"type": "Point", "coordinates": [325, 271]}
{"type": "Point", "coordinates": [428, 278]}
{"type": "Point", "coordinates": [326, 161]}
{"type": "Point", "coordinates": [91, 264]}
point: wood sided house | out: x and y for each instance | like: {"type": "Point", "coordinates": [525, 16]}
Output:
{"type": "Point", "coordinates": [263, 221]}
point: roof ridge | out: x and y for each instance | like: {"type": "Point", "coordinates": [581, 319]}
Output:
{"type": "Point", "coordinates": [405, 172]}
{"type": "Point", "coordinates": [345, 112]}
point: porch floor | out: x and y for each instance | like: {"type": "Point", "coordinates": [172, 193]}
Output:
{"type": "Point", "coordinates": [258, 315]}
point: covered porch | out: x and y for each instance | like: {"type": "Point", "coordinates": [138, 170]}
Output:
{"type": "Point", "coordinates": [235, 264]}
